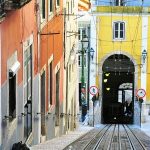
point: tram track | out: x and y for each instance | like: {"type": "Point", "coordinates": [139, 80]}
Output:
{"type": "Point", "coordinates": [110, 137]}
{"type": "Point", "coordinates": [136, 140]}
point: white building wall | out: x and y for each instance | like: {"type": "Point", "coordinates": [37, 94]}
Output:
{"type": "Point", "coordinates": [91, 18]}
{"type": "Point", "coordinates": [144, 47]}
{"type": "Point", "coordinates": [93, 63]}
{"type": "Point", "coordinates": [71, 38]}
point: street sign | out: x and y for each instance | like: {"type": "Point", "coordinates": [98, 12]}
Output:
{"type": "Point", "coordinates": [140, 93]}
{"type": "Point", "coordinates": [93, 90]}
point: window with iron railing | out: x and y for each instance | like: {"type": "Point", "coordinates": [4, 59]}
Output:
{"type": "Point", "coordinates": [27, 92]}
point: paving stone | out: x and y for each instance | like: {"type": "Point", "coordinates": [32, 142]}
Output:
{"type": "Point", "coordinates": [60, 143]}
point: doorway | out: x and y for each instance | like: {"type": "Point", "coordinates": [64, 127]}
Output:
{"type": "Point", "coordinates": [43, 123]}
{"type": "Point", "coordinates": [118, 89]}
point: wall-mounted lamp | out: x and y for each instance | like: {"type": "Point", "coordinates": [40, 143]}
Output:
{"type": "Point", "coordinates": [92, 53]}
{"type": "Point", "coordinates": [144, 55]}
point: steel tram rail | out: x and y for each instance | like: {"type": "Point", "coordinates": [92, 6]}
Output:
{"type": "Point", "coordinates": [80, 140]}
{"type": "Point", "coordinates": [105, 139]}
{"type": "Point", "coordinates": [96, 147]}
{"type": "Point", "coordinates": [142, 145]}
{"type": "Point", "coordinates": [129, 139]}
{"type": "Point", "coordinates": [111, 140]}
{"type": "Point", "coordinates": [95, 137]}
{"type": "Point", "coordinates": [119, 140]}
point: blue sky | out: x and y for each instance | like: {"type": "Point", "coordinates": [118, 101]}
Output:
{"type": "Point", "coordinates": [128, 2]}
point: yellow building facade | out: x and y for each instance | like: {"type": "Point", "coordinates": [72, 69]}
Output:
{"type": "Point", "coordinates": [123, 47]}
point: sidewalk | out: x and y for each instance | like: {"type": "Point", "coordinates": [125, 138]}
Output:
{"type": "Point", "coordinates": [146, 126]}
{"type": "Point", "coordinates": [60, 143]}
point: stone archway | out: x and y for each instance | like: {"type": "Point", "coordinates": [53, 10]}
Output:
{"type": "Point", "coordinates": [117, 69]}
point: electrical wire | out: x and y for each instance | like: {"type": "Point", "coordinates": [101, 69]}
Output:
{"type": "Point", "coordinates": [131, 40]}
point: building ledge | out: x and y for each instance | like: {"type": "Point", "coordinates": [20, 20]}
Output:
{"type": "Point", "coordinates": [122, 9]}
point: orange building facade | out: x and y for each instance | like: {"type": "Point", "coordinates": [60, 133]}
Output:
{"type": "Point", "coordinates": [51, 67]}
{"type": "Point", "coordinates": [33, 79]}
{"type": "Point", "coordinates": [19, 72]}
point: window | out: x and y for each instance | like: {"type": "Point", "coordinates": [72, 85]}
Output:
{"type": "Point", "coordinates": [82, 33]}
{"type": "Point", "coordinates": [69, 73]}
{"type": "Point", "coordinates": [57, 98]}
{"type": "Point", "coordinates": [71, 6]}
{"type": "Point", "coordinates": [57, 2]}
{"type": "Point", "coordinates": [12, 96]}
{"type": "Point", "coordinates": [43, 96]}
{"type": "Point", "coordinates": [119, 30]}
{"type": "Point", "coordinates": [80, 60]}
{"type": "Point", "coordinates": [27, 92]}
{"type": "Point", "coordinates": [50, 82]}
{"type": "Point", "coordinates": [43, 9]}
{"type": "Point", "coordinates": [68, 10]}
{"type": "Point", "coordinates": [119, 3]}
{"type": "Point", "coordinates": [50, 6]}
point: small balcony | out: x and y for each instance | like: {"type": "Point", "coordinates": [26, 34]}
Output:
{"type": "Point", "coordinates": [15, 4]}
{"type": "Point", "coordinates": [2, 12]}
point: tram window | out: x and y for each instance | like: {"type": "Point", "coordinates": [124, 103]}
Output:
{"type": "Point", "coordinates": [120, 96]}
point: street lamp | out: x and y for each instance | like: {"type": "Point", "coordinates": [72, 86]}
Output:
{"type": "Point", "coordinates": [85, 43]}
{"type": "Point", "coordinates": [92, 53]}
{"type": "Point", "coordinates": [144, 55]}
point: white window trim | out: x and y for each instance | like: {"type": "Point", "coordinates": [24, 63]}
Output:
{"type": "Point", "coordinates": [12, 125]}
{"type": "Point", "coordinates": [113, 35]}
{"type": "Point", "coordinates": [42, 19]}
{"type": "Point", "coordinates": [50, 12]}
{"type": "Point", "coordinates": [57, 6]}
{"type": "Point", "coordinates": [26, 45]}
{"type": "Point", "coordinates": [81, 30]}
{"type": "Point", "coordinates": [49, 62]}
{"type": "Point", "coordinates": [119, 3]}
{"type": "Point", "coordinates": [80, 66]}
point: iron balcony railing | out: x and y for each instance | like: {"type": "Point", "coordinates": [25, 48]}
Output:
{"type": "Point", "coordinates": [2, 12]}
{"type": "Point", "coordinates": [15, 4]}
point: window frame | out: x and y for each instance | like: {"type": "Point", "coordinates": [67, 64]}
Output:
{"type": "Point", "coordinates": [50, 8]}
{"type": "Point", "coordinates": [27, 79]}
{"type": "Point", "coordinates": [80, 32]}
{"type": "Point", "coordinates": [41, 12]}
{"type": "Point", "coordinates": [119, 38]}
{"type": "Point", "coordinates": [120, 3]}
{"type": "Point", "coordinates": [70, 75]}
{"type": "Point", "coordinates": [80, 60]}
{"type": "Point", "coordinates": [50, 83]}
{"type": "Point", "coordinates": [57, 3]}
{"type": "Point", "coordinates": [12, 116]}
{"type": "Point", "coordinates": [57, 92]}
